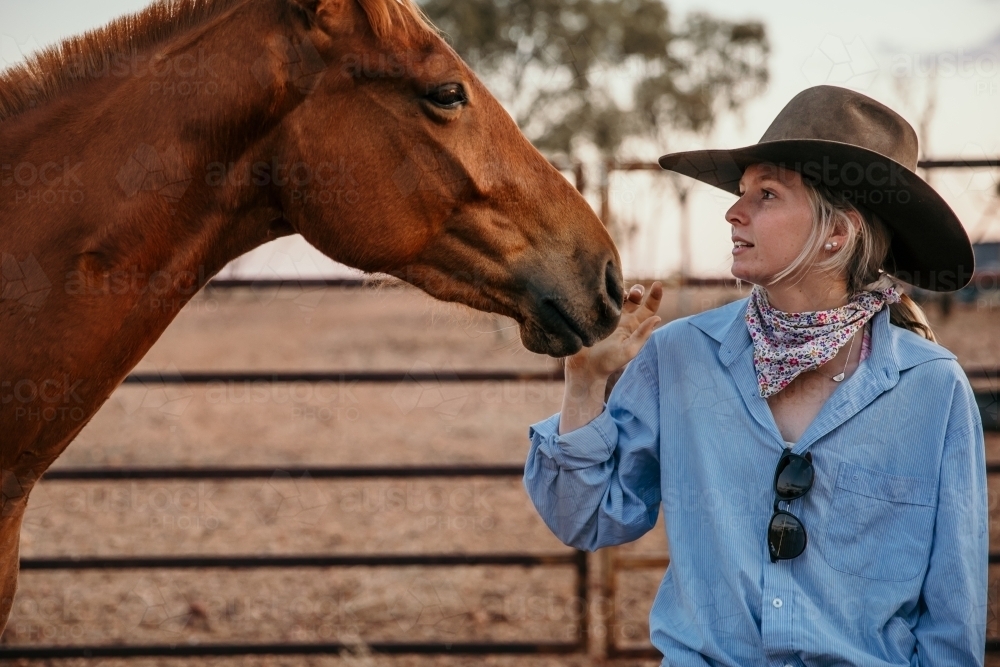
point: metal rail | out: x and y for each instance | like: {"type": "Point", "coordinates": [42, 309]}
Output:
{"type": "Point", "coordinates": [321, 472]}
{"type": "Point", "coordinates": [205, 377]}
{"type": "Point", "coordinates": [958, 163]}
{"type": "Point", "coordinates": [266, 472]}
{"type": "Point", "coordinates": [323, 648]}
{"type": "Point", "coordinates": [243, 562]}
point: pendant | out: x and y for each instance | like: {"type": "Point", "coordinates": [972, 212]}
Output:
{"type": "Point", "coordinates": [838, 378]}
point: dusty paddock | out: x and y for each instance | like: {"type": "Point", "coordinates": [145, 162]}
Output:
{"type": "Point", "coordinates": [331, 424]}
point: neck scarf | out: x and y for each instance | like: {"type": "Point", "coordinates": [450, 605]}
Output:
{"type": "Point", "coordinates": [787, 344]}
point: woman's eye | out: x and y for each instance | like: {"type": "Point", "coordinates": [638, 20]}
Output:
{"type": "Point", "coordinates": [448, 96]}
{"type": "Point", "coordinates": [768, 194]}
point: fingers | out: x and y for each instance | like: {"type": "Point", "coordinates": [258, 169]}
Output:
{"type": "Point", "coordinates": [652, 303]}
{"type": "Point", "coordinates": [643, 308]}
{"type": "Point", "coordinates": [633, 298]}
{"type": "Point", "coordinates": [646, 328]}
{"type": "Point", "coordinates": [641, 334]}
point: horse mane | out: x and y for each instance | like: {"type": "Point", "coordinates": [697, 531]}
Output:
{"type": "Point", "coordinates": [56, 69]}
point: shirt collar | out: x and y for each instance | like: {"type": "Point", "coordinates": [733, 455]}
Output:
{"type": "Point", "coordinates": [893, 349]}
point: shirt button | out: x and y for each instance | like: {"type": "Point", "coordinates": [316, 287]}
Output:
{"type": "Point", "coordinates": [777, 603]}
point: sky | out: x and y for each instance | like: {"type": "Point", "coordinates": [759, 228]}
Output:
{"type": "Point", "coordinates": [885, 49]}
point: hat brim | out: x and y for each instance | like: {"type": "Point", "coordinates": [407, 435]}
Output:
{"type": "Point", "coordinates": [930, 247]}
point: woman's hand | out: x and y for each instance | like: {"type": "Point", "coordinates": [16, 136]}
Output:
{"type": "Point", "coordinates": [638, 319]}
{"type": "Point", "coordinates": [588, 370]}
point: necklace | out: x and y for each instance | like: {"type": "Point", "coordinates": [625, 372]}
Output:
{"type": "Point", "coordinates": [839, 377]}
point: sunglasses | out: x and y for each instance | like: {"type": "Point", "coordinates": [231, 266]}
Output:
{"type": "Point", "coordinates": [786, 536]}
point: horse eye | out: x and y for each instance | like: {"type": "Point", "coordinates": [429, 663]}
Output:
{"type": "Point", "coordinates": [448, 96]}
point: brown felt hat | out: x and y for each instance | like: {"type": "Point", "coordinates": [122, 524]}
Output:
{"type": "Point", "coordinates": [866, 152]}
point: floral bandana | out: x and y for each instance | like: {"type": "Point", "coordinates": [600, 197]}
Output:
{"type": "Point", "coordinates": [786, 344]}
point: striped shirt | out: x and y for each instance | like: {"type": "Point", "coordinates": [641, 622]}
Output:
{"type": "Point", "coordinates": [895, 567]}
{"type": "Point", "coordinates": [866, 342]}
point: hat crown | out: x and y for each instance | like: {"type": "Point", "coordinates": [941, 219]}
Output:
{"type": "Point", "coordinates": [830, 113]}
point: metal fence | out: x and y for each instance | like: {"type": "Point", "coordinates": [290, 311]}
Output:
{"type": "Point", "coordinates": [577, 560]}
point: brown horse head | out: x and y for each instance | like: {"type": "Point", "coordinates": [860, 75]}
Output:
{"type": "Point", "coordinates": [436, 184]}
{"type": "Point", "coordinates": [381, 147]}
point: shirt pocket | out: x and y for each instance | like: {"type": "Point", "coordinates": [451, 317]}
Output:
{"type": "Point", "coordinates": [880, 525]}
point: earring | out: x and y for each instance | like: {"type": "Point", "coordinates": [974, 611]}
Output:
{"type": "Point", "coordinates": [834, 244]}
{"type": "Point", "coordinates": [828, 246]}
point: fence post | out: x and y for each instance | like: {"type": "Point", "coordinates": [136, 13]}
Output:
{"type": "Point", "coordinates": [605, 176]}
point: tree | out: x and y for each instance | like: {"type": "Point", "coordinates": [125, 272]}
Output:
{"type": "Point", "coordinates": [595, 72]}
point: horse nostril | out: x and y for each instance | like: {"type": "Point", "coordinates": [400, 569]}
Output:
{"type": "Point", "coordinates": [613, 285]}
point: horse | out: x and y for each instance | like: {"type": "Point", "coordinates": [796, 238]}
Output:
{"type": "Point", "coordinates": [138, 159]}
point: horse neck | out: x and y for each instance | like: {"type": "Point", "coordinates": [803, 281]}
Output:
{"type": "Point", "coordinates": [133, 225]}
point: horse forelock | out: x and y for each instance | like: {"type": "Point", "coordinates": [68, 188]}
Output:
{"type": "Point", "coordinates": [55, 69]}
{"type": "Point", "coordinates": [399, 21]}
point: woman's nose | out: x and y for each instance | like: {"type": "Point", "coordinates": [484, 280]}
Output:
{"type": "Point", "coordinates": [736, 215]}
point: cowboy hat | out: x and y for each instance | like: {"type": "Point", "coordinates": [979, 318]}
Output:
{"type": "Point", "coordinates": [867, 153]}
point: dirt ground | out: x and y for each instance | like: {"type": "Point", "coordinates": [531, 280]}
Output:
{"type": "Point", "coordinates": [396, 328]}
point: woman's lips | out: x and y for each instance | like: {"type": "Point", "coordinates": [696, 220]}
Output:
{"type": "Point", "coordinates": [740, 247]}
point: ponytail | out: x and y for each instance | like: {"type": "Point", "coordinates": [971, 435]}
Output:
{"type": "Point", "coordinates": [861, 258]}
{"type": "Point", "coordinates": [909, 315]}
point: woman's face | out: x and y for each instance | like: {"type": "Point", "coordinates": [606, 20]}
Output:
{"type": "Point", "coordinates": [771, 222]}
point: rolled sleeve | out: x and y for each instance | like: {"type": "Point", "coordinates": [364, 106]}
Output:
{"type": "Point", "coordinates": [599, 484]}
{"type": "Point", "coordinates": [588, 445]}
{"type": "Point", "coordinates": [951, 629]}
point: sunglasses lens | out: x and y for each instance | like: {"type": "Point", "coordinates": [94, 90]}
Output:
{"type": "Point", "coordinates": [794, 477]}
{"type": "Point", "coordinates": [786, 536]}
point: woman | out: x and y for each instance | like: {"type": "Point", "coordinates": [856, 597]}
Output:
{"type": "Point", "coordinates": [819, 458]}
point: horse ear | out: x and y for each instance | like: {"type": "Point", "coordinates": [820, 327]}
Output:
{"type": "Point", "coordinates": [330, 15]}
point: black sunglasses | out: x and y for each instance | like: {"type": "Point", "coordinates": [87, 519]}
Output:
{"type": "Point", "coordinates": [786, 536]}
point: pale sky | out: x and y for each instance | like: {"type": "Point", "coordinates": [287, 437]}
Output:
{"type": "Point", "coordinates": [859, 44]}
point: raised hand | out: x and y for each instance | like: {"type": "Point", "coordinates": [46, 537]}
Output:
{"type": "Point", "coordinates": [638, 319]}
{"type": "Point", "coordinates": [588, 370]}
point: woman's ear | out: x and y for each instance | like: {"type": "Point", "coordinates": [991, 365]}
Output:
{"type": "Point", "coordinates": [839, 238]}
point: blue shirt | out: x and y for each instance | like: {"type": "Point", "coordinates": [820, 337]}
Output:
{"type": "Point", "coordinates": [895, 567]}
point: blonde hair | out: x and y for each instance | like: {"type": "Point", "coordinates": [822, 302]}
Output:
{"type": "Point", "coordinates": [859, 260]}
